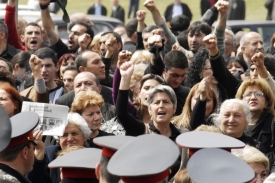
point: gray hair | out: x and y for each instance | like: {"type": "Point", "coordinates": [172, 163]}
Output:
{"type": "Point", "coordinates": [217, 117]}
{"type": "Point", "coordinates": [78, 120]}
{"type": "Point", "coordinates": [162, 89]}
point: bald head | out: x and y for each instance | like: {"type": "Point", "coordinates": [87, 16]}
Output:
{"type": "Point", "coordinates": [86, 80]}
{"type": "Point", "coordinates": [250, 44]}
{"type": "Point", "coordinates": [81, 17]}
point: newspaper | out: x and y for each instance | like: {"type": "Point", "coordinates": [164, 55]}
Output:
{"type": "Point", "coordinates": [53, 118]}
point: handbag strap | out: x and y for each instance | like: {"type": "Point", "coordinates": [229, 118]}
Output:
{"type": "Point", "coordinates": [272, 134]}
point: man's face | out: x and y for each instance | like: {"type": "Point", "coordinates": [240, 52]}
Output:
{"type": "Point", "coordinates": [95, 64]}
{"type": "Point", "coordinates": [68, 79]}
{"type": "Point", "coordinates": [102, 41]}
{"type": "Point", "coordinates": [174, 76]}
{"type": "Point", "coordinates": [254, 44]}
{"type": "Point", "coordinates": [4, 66]}
{"type": "Point", "coordinates": [195, 41]}
{"type": "Point", "coordinates": [48, 70]}
{"type": "Point", "coordinates": [84, 81]}
{"type": "Point", "coordinates": [75, 32]}
{"type": "Point", "coordinates": [30, 159]}
{"type": "Point", "coordinates": [32, 38]}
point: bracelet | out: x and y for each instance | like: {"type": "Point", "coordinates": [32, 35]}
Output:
{"type": "Point", "coordinates": [43, 7]}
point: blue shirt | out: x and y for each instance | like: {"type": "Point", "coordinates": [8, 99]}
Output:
{"type": "Point", "coordinates": [177, 10]}
{"type": "Point", "coordinates": [98, 9]}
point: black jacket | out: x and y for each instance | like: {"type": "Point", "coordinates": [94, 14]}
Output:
{"type": "Point", "coordinates": [119, 13]}
{"type": "Point", "coordinates": [169, 11]}
{"type": "Point", "coordinates": [14, 173]}
{"type": "Point", "coordinates": [91, 10]}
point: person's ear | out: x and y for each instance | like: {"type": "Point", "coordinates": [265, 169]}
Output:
{"type": "Point", "coordinates": [24, 153]}
{"type": "Point", "coordinates": [81, 68]}
{"type": "Point", "coordinates": [99, 88]}
{"type": "Point", "coordinates": [22, 38]}
{"type": "Point", "coordinates": [97, 171]}
{"type": "Point", "coordinates": [16, 67]}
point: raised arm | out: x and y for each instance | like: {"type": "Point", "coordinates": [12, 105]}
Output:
{"type": "Point", "coordinates": [141, 15]}
{"type": "Point", "coordinates": [48, 22]}
{"type": "Point", "coordinates": [131, 125]}
{"type": "Point", "coordinates": [171, 39]}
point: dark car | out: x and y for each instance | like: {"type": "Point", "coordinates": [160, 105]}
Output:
{"type": "Point", "coordinates": [101, 23]}
{"type": "Point", "coordinates": [264, 28]}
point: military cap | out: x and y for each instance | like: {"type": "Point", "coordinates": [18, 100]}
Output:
{"type": "Point", "coordinates": [5, 129]}
{"type": "Point", "coordinates": [22, 128]}
{"type": "Point", "coordinates": [197, 140]}
{"type": "Point", "coordinates": [216, 166]}
{"type": "Point", "coordinates": [146, 158]}
{"type": "Point", "coordinates": [110, 144]}
{"type": "Point", "coordinates": [78, 164]}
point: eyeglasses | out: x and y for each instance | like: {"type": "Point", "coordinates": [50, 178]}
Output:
{"type": "Point", "coordinates": [253, 69]}
{"type": "Point", "coordinates": [256, 94]}
{"type": "Point", "coordinates": [206, 69]}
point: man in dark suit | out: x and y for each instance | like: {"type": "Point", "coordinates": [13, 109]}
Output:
{"type": "Point", "coordinates": [97, 9]}
{"type": "Point", "coordinates": [177, 8]}
{"type": "Point", "coordinates": [206, 4]}
{"type": "Point", "coordinates": [118, 11]}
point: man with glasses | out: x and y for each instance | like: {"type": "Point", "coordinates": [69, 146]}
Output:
{"type": "Point", "coordinates": [229, 44]}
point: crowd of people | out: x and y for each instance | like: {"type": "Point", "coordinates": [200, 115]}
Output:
{"type": "Point", "coordinates": [179, 101]}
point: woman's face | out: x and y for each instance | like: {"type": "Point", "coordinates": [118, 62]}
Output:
{"type": "Point", "coordinates": [234, 66]}
{"type": "Point", "coordinates": [147, 85]}
{"type": "Point", "coordinates": [7, 103]}
{"type": "Point", "coordinates": [253, 72]}
{"type": "Point", "coordinates": [207, 71]}
{"type": "Point", "coordinates": [135, 89]}
{"type": "Point", "coordinates": [161, 109]}
{"type": "Point", "coordinates": [260, 172]}
{"type": "Point", "coordinates": [255, 99]}
{"type": "Point", "coordinates": [233, 120]}
{"type": "Point", "coordinates": [72, 136]}
{"type": "Point", "coordinates": [209, 104]}
{"type": "Point", "coordinates": [64, 64]}
{"type": "Point", "coordinates": [93, 117]}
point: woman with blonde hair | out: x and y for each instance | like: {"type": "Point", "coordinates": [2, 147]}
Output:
{"type": "Point", "coordinates": [256, 160]}
{"type": "Point", "coordinates": [200, 103]}
{"type": "Point", "coordinates": [88, 104]}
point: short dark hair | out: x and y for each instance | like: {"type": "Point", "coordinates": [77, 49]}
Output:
{"type": "Point", "coordinates": [199, 26]}
{"type": "Point", "coordinates": [11, 153]}
{"type": "Point", "coordinates": [183, 39]}
{"type": "Point", "coordinates": [3, 27]}
{"type": "Point", "coordinates": [70, 68]}
{"type": "Point", "coordinates": [150, 28]}
{"type": "Point", "coordinates": [104, 172]}
{"type": "Point", "coordinates": [131, 27]}
{"type": "Point", "coordinates": [79, 180]}
{"type": "Point", "coordinates": [179, 23]}
{"type": "Point", "coordinates": [43, 53]}
{"type": "Point", "coordinates": [7, 77]}
{"type": "Point", "coordinates": [80, 61]}
{"type": "Point", "coordinates": [22, 59]}
{"type": "Point", "coordinates": [116, 35]}
{"type": "Point", "coordinates": [31, 24]}
{"type": "Point", "coordinates": [8, 63]}
{"type": "Point", "coordinates": [89, 29]}
{"type": "Point", "coordinates": [176, 59]}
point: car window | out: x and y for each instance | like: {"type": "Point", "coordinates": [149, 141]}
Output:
{"type": "Point", "coordinates": [266, 33]}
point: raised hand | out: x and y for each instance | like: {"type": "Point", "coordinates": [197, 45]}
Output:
{"type": "Point", "coordinates": [258, 60]}
{"type": "Point", "coordinates": [150, 5]}
{"type": "Point", "coordinates": [111, 45]}
{"type": "Point", "coordinates": [141, 15]}
{"type": "Point", "coordinates": [155, 40]}
{"type": "Point", "coordinates": [40, 147]}
{"type": "Point", "coordinates": [126, 70]}
{"type": "Point", "coordinates": [35, 64]}
{"type": "Point", "coordinates": [84, 40]}
{"type": "Point", "coordinates": [204, 87]}
{"type": "Point", "coordinates": [222, 6]}
{"type": "Point", "coordinates": [123, 56]}
{"type": "Point", "coordinates": [210, 42]}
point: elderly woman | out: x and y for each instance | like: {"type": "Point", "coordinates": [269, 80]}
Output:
{"type": "Point", "coordinates": [233, 118]}
{"type": "Point", "coordinates": [75, 134]}
{"type": "Point", "coordinates": [201, 102]}
{"type": "Point", "coordinates": [10, 99]}
{"type": "Point", "coordinates": [258, 95]}
{"type": "Point", "coordinates": [139, 107]}
{"type": "Point", "coordinates": [88, 104]}
{"type": "Point", "coordinates": [256, 160]}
